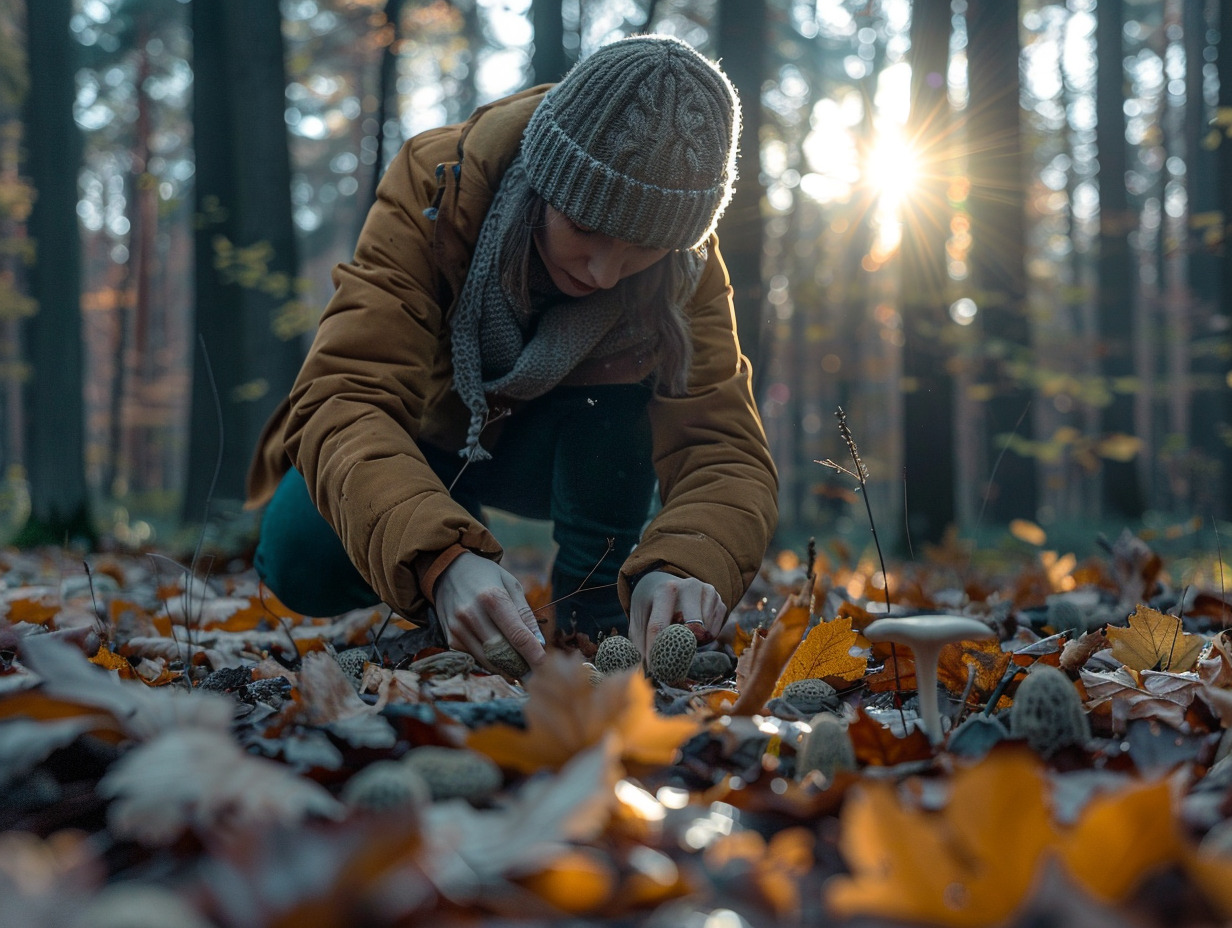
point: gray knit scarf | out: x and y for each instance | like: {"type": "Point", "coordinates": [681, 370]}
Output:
{"type": "Point", "coordinates": [491, 351]}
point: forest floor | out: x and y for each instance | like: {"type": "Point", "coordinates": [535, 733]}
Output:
{"type": "Point", "coordinates": [194, 754]}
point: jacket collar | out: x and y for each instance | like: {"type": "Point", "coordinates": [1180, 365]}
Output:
{"type": "Point", "coordinates": [487, 143]}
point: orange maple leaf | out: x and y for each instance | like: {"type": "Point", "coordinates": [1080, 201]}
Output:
{"type": "Point", "coordinates": [1154, 641]}
{"type": "Point", "coordinates": [566, 713]}
{"type": "Point", "coordinates": [974, 861]}
{"type": "Point", "coordinates": [969, 864]}
{"type": "Point", "coordinates": [825, 653]}
{"type": "Point", "coordinates": [759, 667]}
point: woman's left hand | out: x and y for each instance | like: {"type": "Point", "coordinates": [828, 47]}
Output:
{"type": "Point", "coordinates": [659, 597]}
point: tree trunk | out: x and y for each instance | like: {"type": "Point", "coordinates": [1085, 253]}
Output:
{"type": "Point", "coordinates": [54, 398]}
{"type": "Point", "coordinates": [1224, 311]}
{"type": "Point", "coordinates": [998, 276]}
{"type": "Point", "coordinates": [1203, 190]}
{"type": "Point", "coordinates": [386, 98]}
{"type": "Point", "coordinates": [548, 61]}
{"type": "Point", "coordinates": [1122, 494]}
{"type": "Point", "coordinates": [741, 47]}
{"type": "Point", "coordinates": [928, 401]}
{"type": "Point", "coordinates": [246, 255]}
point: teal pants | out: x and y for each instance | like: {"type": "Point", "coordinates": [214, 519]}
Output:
{"type": "Point", "coordinates": [579, 456]}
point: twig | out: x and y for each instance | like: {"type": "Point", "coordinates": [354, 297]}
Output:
{"type": "Point", "coordinates": [1011, 672]}
{"type": "Point", "coordinates": [376, 652]}
{"type": "Point", "coordinates": [907, 519]}
{"type": "Point", "coordinates": [603, 586]}
{"type": "Point", "coordinates": [991, 477]}
{"type": "Point", "coordinates": [861, 476]}
{"type": "Point", "coordinates": [1223, 600]}
{"type": "Point", "coordinates": [810, 574]}
{"type": "Point", "coordinates": [582, 587]}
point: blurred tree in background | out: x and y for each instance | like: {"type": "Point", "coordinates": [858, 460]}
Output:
{"type": "Point", "coordinates": [992, 232]}
{"type": "Point", "coordinates": [53, 444]}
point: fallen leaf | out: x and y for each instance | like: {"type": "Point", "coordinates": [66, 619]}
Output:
{"type": "Point", "coordinates": [200, 779]}
{"type": "Point", "coordinates": [138, 710]}
{"type": "Point", "coordinates": [565, 714]}
{"type": "Point", "coordinates": [1149, 695]}
{"type": "Point", "coordinates": [392, 687]}
{"type": "Point", "coordinates": [825, 653]}
{"type": "Point", "coordinates": [24, 743]}
{"type": "Point", "coordinates": [578, 882]}
{"type": "Point", "coordinates": [1080, 650]}
{"type": "Point", "coordinates": [1155, 641]}
{"type": "Point", "coordinates": [759, 667]}
{"type": "Point", "coordinates": [1121, 838]}
{"type": "Point", "coordinates": [473, 687]}
{"type": "Point", "coordinates": [1215, 668]}
{"type": "Point", "coordinates": [317, 874]}
{"type": "Point", "coordinates": [896, 675]}
{"type": "Point", "coordinates": [1025, 530]}
{"type": "Point", "coordinates": [324, 698]}
{"type": "Point", "coordinates": [470, 854]}
{"type": "Point", "coordinates": [774, 868]}
{"type": "Point", "coordinates": [107, 659]}
{"type": "Point", "coordinates": [36, 605]}
{"type": "Point", "coordinates": [877, 746]}
{"type": "Point", "coordinates": [982, 663]}
{"type": "Point", "coordinates": [969, 864]}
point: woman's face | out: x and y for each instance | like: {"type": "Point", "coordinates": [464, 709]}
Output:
{"type": "Point", "coordinates": [581, 261]}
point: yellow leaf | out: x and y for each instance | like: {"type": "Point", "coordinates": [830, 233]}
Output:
{"type": "Point", "coordinates": [1121, 838]}
{"type": "Point", "coordinates": [565, 714]}
{"type": "Point", "coordinates": [1123, 448]}
{"type": "Point", "coordinates": [1027, 531]}
{"type": "Point", "coordinates": [757, 671]}
{"type": "Point", "coordinates": [824, 653]}
{"type": "Point", "coordinates": [975, 861]}
{"type": "Point", "coordinates": [108, 659]}
{"type": "Point", "coordinates": [969, 864]}
{"type": "Point", "coordinates": [1154, 641]}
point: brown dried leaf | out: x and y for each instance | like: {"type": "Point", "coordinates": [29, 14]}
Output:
{"type": "Point", "coordinates": [1155, 641]}
{"type": "Point", "coordinates": [759, 667]}
{"type": "Point", "coordinates": [1077, 652]}
{"type": "Point", "coordinates": [877, 746]}
{"type": "Point", "coordinates": [1148, 695]}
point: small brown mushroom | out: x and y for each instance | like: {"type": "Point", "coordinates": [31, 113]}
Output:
{"type": "Point", "coordinates": [926, 635]}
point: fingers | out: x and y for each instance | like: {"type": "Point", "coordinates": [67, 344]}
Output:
{"type": "Point", "coordinates": [661, 598]}
{"type": "Point", "coordinates": [516, 621]}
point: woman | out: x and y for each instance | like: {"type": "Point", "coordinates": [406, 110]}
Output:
{"type": "Point", "coordinates": [537, 319]}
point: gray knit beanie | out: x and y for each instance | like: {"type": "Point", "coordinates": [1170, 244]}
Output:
{"type": "Point", "coordinates": [639, 142]}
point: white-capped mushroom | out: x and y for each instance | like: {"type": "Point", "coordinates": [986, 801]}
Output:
{"type": "Point", "coordinates": [926, 635]}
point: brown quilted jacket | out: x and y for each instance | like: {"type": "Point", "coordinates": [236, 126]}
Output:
{"type": "Point", "coordinates": [378, 377]}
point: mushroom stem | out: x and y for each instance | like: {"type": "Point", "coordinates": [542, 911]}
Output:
{"type": "Point", "coordinates": [926, 657]}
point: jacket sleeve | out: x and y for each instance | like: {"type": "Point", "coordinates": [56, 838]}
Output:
{"type": "Point", "coordinates": [358, 403]}
{"type": "Point", "coordinates": [716, 477]}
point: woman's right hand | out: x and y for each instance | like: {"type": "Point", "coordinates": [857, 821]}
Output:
{"type": "Point", "coordinates": [479, 603]}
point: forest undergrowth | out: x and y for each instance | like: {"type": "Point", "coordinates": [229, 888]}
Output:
{"type": "Point", "coordinates": [197, 751]}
